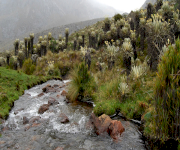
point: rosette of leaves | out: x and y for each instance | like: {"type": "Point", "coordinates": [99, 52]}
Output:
{"type": "Point", "coordinates": [60, 37]}
{"type": "Point", "coordinates": [25, 51]}
{"type": "Point", "coordinates": [127, 52]}
{"type": "Point", "coordinates": [14, 62]}
{"type": "Point", "coordinates": [40, 39]}
{"type": "Point", "coordinates": [21, 58]}
{"type": "Point", "coordinates": [113, 31]}
{"type": "Point", "coordinates": [32, 42]}
{"type": "Point", "coordinates": [111, 52]}
{"type": "Point", "coordinates": [107, 24]}
{"type": "Point", "coordinates": [29, 46]}
{"type": "Point", "coordinates": [166, 94]}
{"type": "Point", "coordinates": [133, 41]}
{"type": "Point", "coordinates": [49, 36]}
{"type": "Point", "coordinates": [67, 35]}
{"type": "Point", "coordinates": [2, 61]}
{"type": "Point", "coordinates": [8, 55]}
{"type": "Point", "coordinates": [16, 47]}
{"type": "Point", "coordinates": [159, 4]}
{"type": "Point", "coordinates": [125, 32]}
{"type": "Point", "coordinates": [157, 34]}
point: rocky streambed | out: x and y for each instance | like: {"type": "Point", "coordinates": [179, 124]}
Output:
{"type": "Point", "coordinates": [42, 119]}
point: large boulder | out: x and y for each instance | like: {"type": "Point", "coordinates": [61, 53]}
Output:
{"type": "Point", "coordinates": [63, 118]}
{"type": "Point", "coordinates": [105, 125]}
{"type": "Point", "coordinates": [100, 124]}
{"type": "Point", "coordinates": [43, 108]}
{"type": "Point", "coordinates": [115, 129]}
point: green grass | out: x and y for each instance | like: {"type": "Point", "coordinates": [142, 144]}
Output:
{"type": "Point", "coordinates": [12, 85]}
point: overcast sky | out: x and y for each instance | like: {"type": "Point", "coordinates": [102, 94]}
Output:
{"type": "Point", "coordinates": [124, 5]}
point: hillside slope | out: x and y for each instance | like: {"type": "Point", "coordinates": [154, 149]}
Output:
{"type": "Point", "coordinates": [21, 17]}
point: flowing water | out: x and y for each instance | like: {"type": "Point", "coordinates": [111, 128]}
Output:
{"type": "Point", "coordinates": [46, 132]}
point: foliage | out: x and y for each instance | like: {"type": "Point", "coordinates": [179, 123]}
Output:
{"type": "Point", "coordinates": [117, 17]}
{"type": "Point", "coordinates": [167, 95]}
{"type": "Point", "coordinates": [82, 84]}
{"type": "Point", "coordinates": [28, 67]}
{"type": "Point", "coordinates": [12, 85]}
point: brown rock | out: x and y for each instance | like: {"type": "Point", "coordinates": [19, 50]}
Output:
{"type": "Point", "coordinates": [41, 94]}
{"type": "Point", "coordinates": [58, 96]}
{"type": "Point", "coordinates": [27, 127]}
{"type": "Point", "coordinates": [44, 88]}
{"type": "Point", "coordinates": [59, 148]}
{"type": "Point", "coordinates": [55, 85]}
{"type": "Point", "coordinates": [34, 119]}
{"type": "Point", "coordinates": [25, 120]}
{"type": "Point", "coordinates": [64, 93]}
{"type": "Point", "coordinates": [115, 129]}
{"type": "Point", "coordinates": [62, 86]}
{"type": "Point", "coordinates": [43, 108]}
{"type": "Point", "coordinates": [17, 111]}
{"type": "Point", "coordinates": [100, 124]}
{"type": "Point", "coordinates": [52, 101]}
{"type": "Point", "coordinates": [36, 124]}
{"type": "Point", "coordinates": [2, 142]}
{"type": "Point", "coordinates": [48, 89]}
{"type": "Point", "coordinates": [63, 118]}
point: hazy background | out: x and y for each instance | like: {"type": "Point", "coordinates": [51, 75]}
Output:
{"type": "Point", "coordinates": [18, 18]}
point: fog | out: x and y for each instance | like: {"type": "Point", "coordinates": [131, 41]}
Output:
{"type": "Point", "coordinates": [124, 5]}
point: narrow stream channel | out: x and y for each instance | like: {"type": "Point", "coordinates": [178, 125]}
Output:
{"type": "Point", "coordinates": [46, 132]}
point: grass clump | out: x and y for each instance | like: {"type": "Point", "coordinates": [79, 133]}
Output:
{"type": "Point", "coordinates": [166, 93]}
{"type": "Point", "coordinates": [82, 85]}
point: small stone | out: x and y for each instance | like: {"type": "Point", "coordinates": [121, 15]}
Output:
{"type": "Point", "coordinates": [25, 120]}
{"type": "Point", "coordinates": [52, 101]}
{"type": "Point", "coordinates": [41, 94]}
{"type": "Point", "coordinates": [64, 93]}
{"type": "Point", "coordinates": [43, 108]}
{"type": "Point", "coordinates": [63, 118]}
{"type": "Point", "coordinates": [59, 148]}
{"type": "Point", "coordinates": [34, 119]}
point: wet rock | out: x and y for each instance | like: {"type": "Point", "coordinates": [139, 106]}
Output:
{"type": "Point", "coordinates": [64, 93]}
{"type": "Point", "coordinates": [41, 94]}
{"type": "Point", "coordinates": [52, 101]}
{"type": "Point", "coordinates": [27, 127]}
{"type": "Point", "coordinates": [34, 119]}
{"type": "Point", "coordinates": [36, 124]}
{"type": "Point", "coordinates": [62, 86]}
{"type": "Point", "coordinates": [63, 118]}
{"type": "Point", "coordinates": [58, 96]}
{"type": "Point", "coordinates": [43, 108]}
{"type": "Point", "coordinates": [25, 120]}
{"type": "Point", "coordinates": [55, 86]}
{"type": "Point", "coordinates": [2, 142]}
{"type": "Point", "coordinates": [115, 129]}
{"type": "Point", "coordinates": [59, 148]}
{"type": "Point", "coordinates": [17, 111]}
{"type": "Point", "coordinates": [100, 124]}
{"type": "Point", "coordinates": [48, 89]}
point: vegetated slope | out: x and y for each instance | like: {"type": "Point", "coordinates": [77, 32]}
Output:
{"type": "Point", "coordinates": [150, 1]}
{"type": "Point", "coordinates": [23, 16]}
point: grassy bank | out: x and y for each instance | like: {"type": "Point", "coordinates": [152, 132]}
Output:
{"type": "Point", "coordinates": [12, 85]}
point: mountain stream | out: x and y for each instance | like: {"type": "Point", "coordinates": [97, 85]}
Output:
{"type": "Point", "coordinates": [26, 129]}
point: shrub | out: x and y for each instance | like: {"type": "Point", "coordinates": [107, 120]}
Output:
{"type": "Point", "coordinates": [28, 67]}
{"type": "Point", "coordinates": [117, 17]}
{"type": "Point", "coordinates": [167, 95]}
{"type": "Point", "coordinates": [82, 84]}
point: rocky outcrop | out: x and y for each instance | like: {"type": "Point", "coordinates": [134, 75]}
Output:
{"type": "Point", "coordinates": [43, 108]}
{"type": "Point", "coordinates": [105, 125]}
